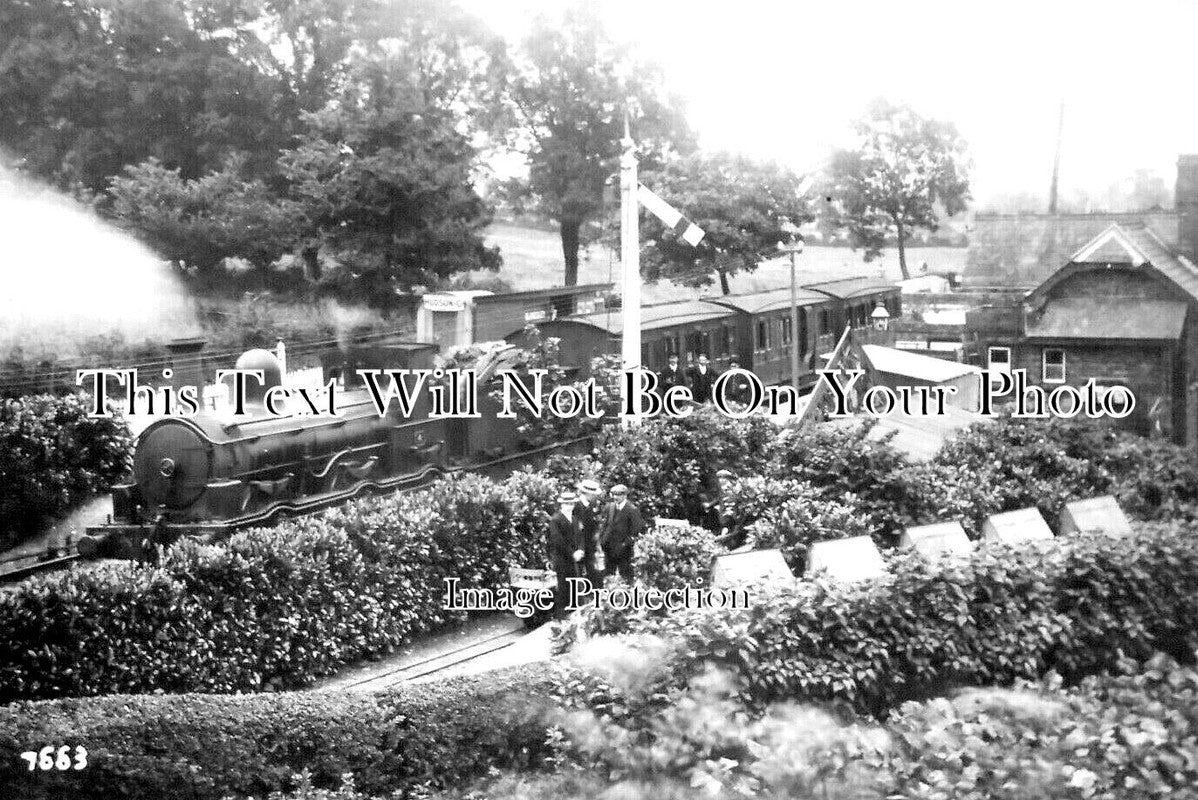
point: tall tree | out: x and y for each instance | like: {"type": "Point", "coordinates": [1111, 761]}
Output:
{"type": "Point", "coordinates": [387, 184]}
{"type": "Point", "coordinates": [743, 207]}
{"type": "Point", "coordinates": [570, 92]}
{"type": "Point", "coordinates": [89, 86]}
{"type": "Point", "coordinates": [902, 171]}
{"type": "Point", "coordinates": [198, 223]}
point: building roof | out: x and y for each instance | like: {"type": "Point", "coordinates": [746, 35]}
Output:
{"type": "Point", "coordinates": [918, 436]}
{"type": "Point", "coordinates": [1021, 250]}
{"type": "Point", "coordinates": [1108, 318]}
{"type": "Point", "coordinates": [654, 317]}
{"type": "Point", "coordinates": [553, 291]}
{"type": "Point", "coordinates": [770, 300]}
{"type": "Point", "coordinates": [852, 287]}
{"type": "Point", "coordinates": [914, 365]}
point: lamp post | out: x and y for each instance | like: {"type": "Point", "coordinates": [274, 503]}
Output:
{"type": "Point", "coordinates": [793, 246]}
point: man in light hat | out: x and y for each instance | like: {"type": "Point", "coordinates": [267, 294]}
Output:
{"type": "Point", "coordinates": [588, 515]}
{"type": "Point", "coordinates": [566, 549]}
{"type": "Point", "coordinates": [622, 526]}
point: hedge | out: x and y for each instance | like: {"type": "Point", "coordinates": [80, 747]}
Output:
{"type": "Point", "coordinates": [194, 747]}
{"type": "Point", "coordinates": [1130, 736]}
{"type": "Point", "coordinates": [54, 456]}
{"type": "Point", "coordinates": [271, 608]}
{"type": "Point", "coordinates": [1077, 607]}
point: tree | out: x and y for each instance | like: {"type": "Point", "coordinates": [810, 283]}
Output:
{"type": "Point", "coordinates": [570, 95]}
{"type": "Point", "coordinates": [742, 206]}
{"type": "Point", "coordinates": [386, 183]}
{"type": "Point", "coordinates": [902, 168]}
{"type": "Point", "coordinates": [198, 223]}
{"type": "Point", "coordinates": [89, 86]}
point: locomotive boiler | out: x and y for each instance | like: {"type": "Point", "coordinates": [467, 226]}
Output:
{"type": "Point", "coordinates": [204, 476]}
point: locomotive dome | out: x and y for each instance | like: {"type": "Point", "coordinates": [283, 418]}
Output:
{"type": "Point", "coordinates": [272, 374]}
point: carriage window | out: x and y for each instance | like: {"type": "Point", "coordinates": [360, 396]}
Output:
{"type": "Point", "coordinates": [763, 335]}
{"type": "Point", "coordinates": [786, 333]}
{"type": "Point", "coordinates": [802, 332]}
{"type": "Point", "coordinates": [825, 322]}
{"type": "Point", "coordinates": [726, 340]}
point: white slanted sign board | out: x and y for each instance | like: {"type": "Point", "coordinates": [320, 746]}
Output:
{"type": "Point", "coordinates": [1016, 527]}
{"type": "Point", "coordinates": [933, 541]}
{"type": "Point", "coordinates": [848, 560]}
{"type": "Point", "coordinates": [757, 567]}
{"type": "Point", "coordinates": [1097, 515]}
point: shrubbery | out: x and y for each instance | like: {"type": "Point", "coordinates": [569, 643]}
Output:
{"type": "Point", "coordinates": [1130, 736]}
{"type": "Point", "coordinates": [668, 464]}
{"type": "Point", "coordinates": [204, 746]}
{"type": "Point", "coordinates": [1000, 615]}
{"type": "Point", "coordinates": [52, 455]}
{"type": "Point", "coordinates": [671, 557]}
{"type": "Point", "coordinates": [272, 608]}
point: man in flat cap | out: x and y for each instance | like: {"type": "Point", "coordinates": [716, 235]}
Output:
{"type": "Point", "coordinates": [622, 526]}
{"type": "Point", "coordinates": [588, 513]}
{"type": "Point", "coordinates": [566, 549]}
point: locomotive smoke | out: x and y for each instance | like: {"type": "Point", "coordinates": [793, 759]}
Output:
{"type": "Point", "coordinates": [69, 277]}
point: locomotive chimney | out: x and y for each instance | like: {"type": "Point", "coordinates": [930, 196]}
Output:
{"type": "Point", "coordinates": [1186, 202]}
{"type": "Point", "coordinates": [186, 362]}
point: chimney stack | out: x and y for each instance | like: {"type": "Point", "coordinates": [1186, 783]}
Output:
{"type": "Point", "coordinates": [1186, 202]}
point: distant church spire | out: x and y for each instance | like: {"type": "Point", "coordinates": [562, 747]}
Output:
{"type": "Point", "coordinates": [1056, 163]}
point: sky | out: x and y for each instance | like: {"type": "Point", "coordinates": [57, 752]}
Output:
{"type": "Point", "coordinates": [783, 80]}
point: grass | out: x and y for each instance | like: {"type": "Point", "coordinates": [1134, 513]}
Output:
{"type": "Point", "coordinates": [532, 259]}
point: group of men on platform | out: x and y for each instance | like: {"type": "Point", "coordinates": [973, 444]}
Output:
{"type": "Point", "coordinates": [700, 379]}
{"type": "Point", "coordinates": [590, 541]}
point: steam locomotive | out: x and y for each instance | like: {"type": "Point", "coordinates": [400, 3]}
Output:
{"type": "Point", "coordinates": [203, 476]}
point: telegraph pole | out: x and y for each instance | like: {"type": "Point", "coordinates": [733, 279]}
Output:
{"type": "Point", "coordinates": [793, 246]}
{"type": "Point", "coordinates": [630, 259]}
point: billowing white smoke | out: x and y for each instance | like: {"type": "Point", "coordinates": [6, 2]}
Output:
{"type": "Point", "coordinates": [67, 276]}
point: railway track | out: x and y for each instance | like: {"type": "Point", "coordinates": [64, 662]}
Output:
{"type": "Point", "coordinates": [437, 664]}
{"type": "Point", "coordinates": [37, 564]}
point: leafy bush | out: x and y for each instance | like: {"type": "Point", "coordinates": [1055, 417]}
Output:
{"type": "Point", "coordinates": [205, 746]}
{"type": "Point", "coordinates": [668, 464]}
{"type": "Point", "coordinates": [1001, 615]}
{"type": "Point", "coordinates": [798, 522]}
{"type": "Point", "coordinates": [668, 557]}
{"type": "Point", "coordinates": [271, 608]}
{"type": "Point", "coordinates": [54, 456]}
{"type": "Point", "coordinates": [1130, 736]}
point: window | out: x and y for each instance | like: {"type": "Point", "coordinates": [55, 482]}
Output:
{"type": "Point", "coordinates": [999, 359]}
{"type": "Point", "coordinates": [763, 335]}
{"type": "Point", "coordinates": [1054, 365]}
{"type": "Point", "coordinates": [646, 356]}
{"type": "Point", "coordinates": [825, 322]}
{"type": "Point", "coordinates": [785, 331]}
{"type": "Point", "coordinates": [802, 332]}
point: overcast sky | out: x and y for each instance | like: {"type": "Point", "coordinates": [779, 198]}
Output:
{"type": "Point", "coordinates": [782, 79]}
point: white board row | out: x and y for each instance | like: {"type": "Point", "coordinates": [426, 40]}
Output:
{"type": "Point", "coordinates": [858, 558]}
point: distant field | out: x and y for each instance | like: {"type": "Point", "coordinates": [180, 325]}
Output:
{"type": "Point", "coordinates": [532, 259]}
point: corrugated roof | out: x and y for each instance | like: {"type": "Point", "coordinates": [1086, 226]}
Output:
{"type": "Point", "coordinates": [1108, 318]}
{"type": "Point", "coordinates": [770, 300]}
{"type": "Point", "coordinates": [851, 287]}
{"type": "Point", "coordinates": [654, 317]}
{"type": "Point", "coordinates": [914, 365]}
